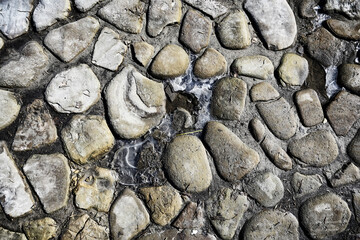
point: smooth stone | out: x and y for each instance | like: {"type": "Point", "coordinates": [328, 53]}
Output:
{"type": "Point", "coordinates": [172, 61]}
{"type": "Point", "coordinates": [306, 184]}
{"type": "Point", "coordinates": [162, 13]}
{"type": "Point", "coordinates": [96, 189]}
{"type": "Point", "coordinates": [85, 5]}
{"type": "Point", "coordinates": [127, 15]}
{"type": "Point", "coordinates": [325, 215]}
{"type": "Point", "coordinates": [228, 99]}
{"type": "Point", "coordinates": [350, 8]}
{"type": "Point", "coordinates": [69, 40]}
{"type": "Point", "coordinates": [1, 43]}
{"type": "Point", "coordinates": [74, 90]}
{"type": "Point", "coordinates": [349, 77]}
{"type": "Point", "coordinates": [144, 52]}
{"type": "Point", "coordinates": [48, 12]}
{"type": "Point", "coordinates": [28, 68]}
{"type": "Point", "coordinates": [192, 217]}
{"type": "Point", "coordinates": [87, 138]}
{"type": "Point", "coordinates": [309, 106]}
{"type": "Point", "coordinates": [128, 216]}
{"type": "Point", "coordinates": [187, 165]}
{"type": "Point", "coordinates": [349, 30]}
{"type": "Point", "coordinates": [37, 129]}
{"type": "Point", "coordinates": [135, 103]}
{"type": "Point", "coordinates": [225, 209]}
{"type": "Point", "coordinates": [272, 224]}
{"type": "Point", "coordinates": [41, 229]}
{"type": "Point", "coordinates": [356, 204]}
{"type": "Point", "coordinates": [211, 64]}
{"type": "Point", "coordinates": [16, 199]}
{"type": "Point", "coordinates": [316, 149]}
{"type": "Point", "coordinates": [279, 117]}
{"type": "Point", "coordinates": [307, 9]}
{"type": "Point", "coordinates": [343, 112]}
{"type": "Point", "coordinates": [233, 31]}
{"type": "Point", "coordinates": [195, 31]}
{"type": "Point", "coordinates": [275, 20]}
{"type": "Point", "coordinates": [277, 155]}
{"type": "Point", "coordinates": [293, 70]}
{"type": "Point", "coordinates": [353, 148]}
{"type": "Point", "coordinates": [9, 235]}
{"type": "Point", "coordinates": [346, 175]}
{"type": "Point", "coordinates": [233, 158]}
{"type": "Point", "coordinates": [263, 91]}
{"type": "Point", "coordinates": [213, 8]}
{"type": "Point", "coordinates": [109, 51]}
{"type": "Point", "coordinates": [256, 66]}
{"type": "Point", "coordinates": [257, 129]}
{"type": "Point", "coordinates": [10, 108]}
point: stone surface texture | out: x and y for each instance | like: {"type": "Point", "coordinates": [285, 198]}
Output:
{"type": "Point", "coordinates": [48, 12]}
{"type": "Point", "coordinates": [211, 64]}
{"type": "Point", "coordinates": [10, 108]}
{"type": "Point", "coordinates": [85, 5]}
{"type": "Point", "coordinates": [263, 91]}
{"type": "Point", "coordinates": [354, 148]}
{"type": "Point", "coordinates": [345, 29]}
{"type": "Point", "coordinates": [144, 52]}
{"type": "Point", "coordinates": [349, 77]}
{"type": "Point", "coordinates": [293, 70]}
{"type": "Point", "coordinates": [9, 235]}
{"type": "Point", "coordinates": [309, 106]}
{"type": "Point", "coordinates": [213, 8]}
{"type": "Point", "coordinates": [41, 229]}
{"type": "Point", "coordinates": [256, 66]}
{"type": "Point", "coordinates": [306, 184]}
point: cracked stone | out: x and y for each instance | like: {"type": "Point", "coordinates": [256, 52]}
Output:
{"type": "Point", "coordinates": [41, 229]}
{"type": "Point", "coordinates": [293, 70]}
{"type": "Point", "coordinates": [353, 148]}
{"type": "Point", "coordinates": [192, 217]}
{"type": "Point", "coordinates": [306, 184]}
{"type": "Point", "coordinates": [144, 52]}
{"type": "Point", "coordinates": [9, 235]}
{"type": "Point", "coordinates": [277, 155]}
{"type": "Point", "coordinates": [211, 64]}
{"type": "Point", "coordinates": [309, 106]}
{"type": "Point", "coordinates": [345, 29]}
{"type": "Point", "coordinates": [263, 91]}
{"type": "Point", "coordinates": [10, 108]}
{"type": "Point", "coordinates": [257, 129]}
{"type": "Point", "coordinates": [350, 8]}
{"type": "Point", "coordinates": [48, 12]}
{"type": "Point", "coordinates": [86, 5]}
{"type": "Point", "coordinates": [213, 8]}
{"type": "Point", "coordinates": [349, 77]}
{"type": "Point", "coordinates": [347, 175]}
{"type": "Point", "coordinates": [256, 66]}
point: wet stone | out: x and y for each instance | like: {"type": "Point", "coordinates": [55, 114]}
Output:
{"type": "Point", "coordinates": [306, 184]}
{"type": "Point", "coordinates": [69, 40]}
{"type": "Point", "coordinates": [350, 8]}
{"type": "Point", "coordinates": [48, 12]}
{"type": "Point", "coordinates": [41, 229]}
{"type": "Point", "coordinates": [192, 217]}
{"type": "Point", "coordinates": [256, 66]}
{"type": "Point", "coordinates": [353, 148]}
{"type": "Point", "coordinates": [144, 52]}
{"type": "Point", "coordinates": [293, 70]}
{"type": "Point", "coordinates": [85, 5]}
{"type": "Point", "coordinates": [257, 129]}
{"type": "Point", "coordinates": [276, 154]}
{"type": "Point", "coordinates": [9, 235]}
{"type": "Point", "coordinates": [345, 29]}
{"type": "Point", "coordinates": [349, 77]}
{"type": "Point", "coordinates": [347, 175]}
{"type": "Point", "coordinates": [211, 64]}
{"type": "Point", "coordinates": [210, 7]}
{"type": "Point", "coordinates": [233, 158]}
{"type": "Point", "coordinates": [263, 91]}
{"type": "Point", "coordinates": [10, 108]}
{"type": "Point", "coordinates": [36, 130]}
{"type": "Point", "coordinates": [309, 107]}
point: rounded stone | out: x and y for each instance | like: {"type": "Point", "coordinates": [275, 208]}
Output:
{"type": "Point", "coordinates": [210, 64]}
{"type": "Point", "coordinates": [293, 70]}
{"type": "Point", "coordinates": [349, 77]}
{"type": "Point", "coordinates": [263, 91]}
{"type": "Point", "coordinates": [256, 66]}
{"type": "Point", "coordinates": [10, 108]}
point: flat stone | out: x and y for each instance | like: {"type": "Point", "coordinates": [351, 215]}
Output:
{"type": "Point", "coordinates": [343, 112]}
{"type": "Point", "coordinates": [276, 154]}
{"type": "Point", "coordinates": [16, 199]}
{"type": "Point", "coordinates": [192, 217]}
{"type": "Point", "coordinates": [293, 70]}
{"type": "Point", "coordinates": [74, 90]}
{"type": "Point", "coordinates": [162, 13]}
{"type": "Point", "coordinates": [210, 64]}
{"type": "Point", "coordinates": [325, 215]}
{"type": "Point", "coordinates": [9, 235]}
{"type": "Point", "coordinates": [356, 203]}
{"type": "Point", "coordinates": [14, 22]}
{"type": "Point", "coordinates": [350, 8]}
{"type": "Point", "coordinates": [228, 99]}
{"type": "Point", "coordinates": [349, 77]}
{"type": "Point", "coordinates": [345, 29]}
{"type": "Point", "coordinates": [306, 184]}
{"type": "Point", "coordinates": [279, 117]}
{"type": "Point", "coordinates": [41, 229]}
{"type": "Point", "coordinates": [48, 12]}
{"type": "Point", "coordinates": [256, 66]}
{"type": "Point", "coordinates": [257, 129]}
{"type": "Point", "coordinates": [210, 7]}
{"type": "Point", "coordinates": [272, 224]}
{"type": "Point", "coordinates": [195, 31]}
{"type": "Point", "coordinates": [36, 130]}
{"type": "Point", "coordinates": [144, 52]}
{"type": "Point", "coordinates": [275, 20]}
{"type": "Point", "coordinates": [233, 158]}
{"type": "Point", "coordinates": [128, 216]}
{"type": "Point", "coordinates": [10, 108]}
{"type": "Point", "coordinates": [307, 9]}
{"type": "Point", "coordinates": [309, 106]}
{"type": "Point", "coordinates": [353, 148]}
{"type": "Point", "coordinates": [263, 91]}
{"type": "Point", "coordinates": [187, 165]}
{"type": "Point", "coordinates": [96, 189]}
{"type": "Point", "coordinates": [26, 69]}
{"type": "Point", "coordinates": [233, 31]}
{"type": "Point", "coordinates": [69, 40]}
{"type": "Point", "coordinates": [85, 5]}
{"type": "Point", "coordinates": [347, 175]}
{"type": "Point", "coordinates": [109, 51]}
{"type": "Point", "coordinates": [172, 61]}
{"type": "Point", "coordinates": [135, 103]}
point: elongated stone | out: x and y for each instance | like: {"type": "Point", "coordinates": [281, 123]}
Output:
{"type": "Point", "coordinates": [277, 155]}
{"type": "Point", "coordinates": [345, 29]}
{"type": "Point", "coordinates": [256, 66]}
{"type": "Point", "coordinates": [309, 106]}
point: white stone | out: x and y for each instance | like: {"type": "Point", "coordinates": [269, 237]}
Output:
{"type": "Point", "coordinates": [211, 7]}
{"type": "Point", "coordinates": [85, 5]}
{"type": "Point", "coordinates": [1, 43]}
{"type": "Point", "coordinates": [10, 108]}
{"type": "Point", "coordinates": [48, 12]}
{"type": "Point", "coordinates": [74, 90]}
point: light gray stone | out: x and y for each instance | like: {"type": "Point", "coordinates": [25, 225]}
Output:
{"type": "Point", "coordinates": [353, 148]}
{"type": "Point", "coordinates": [349, 77]}
{"type": "Point", "coordinates": [309, 106]}
{"type": "Point", "coordinates": [211, 64]}
{"type": "Point", "coordinates": [213, 8]}
{"type": "Point", "coordinates": [356, 204]}
{"type": "Point", "coordinates": [263, 91]}
{"type": "Point", "coordinates": [346, 175]}
{"type": "Point", "coordinates": [85, 5]}
{"type": "Point", "coordinates": [48, 12]}
{"type": "Point", "coordinates": [1, 43]}
{"type": "Point", "coordinates": [276, 154]}
{"type": "Point", "coordinates": [10, 108]}
{"type": "Point", "coordinates": [144, 52]}
{"type": "Point", "coordinates": [256, 66]}
{"type": "Point", "coordinates": [257, 129]}
{"type": "Point", "coordinates": [9, 235]}
{"type": "Point", "coordinates": [293, 70]}
{"type": "Point", "coordinates": [41, 229]}
{"type": "Point", "coordinates": [350, 8]}
{"type": "Point", "coordinates": [306, 184]}
{"type": "Point", "coordinates": [345, 29]}
{"type": "Point", "coordinates": [192, 217]}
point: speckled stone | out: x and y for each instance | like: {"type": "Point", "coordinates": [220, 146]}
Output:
{"type": "Point", "coordinates": [9, 235]}
{"type": "Point", "coordinates": [41, 229]}
{"type": "Point", "coordinates": [306, 184]}
{"type": "Point", "coordinates": [293, 70]}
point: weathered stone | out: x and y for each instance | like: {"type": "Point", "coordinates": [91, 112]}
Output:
{"type": "Point", "coordinates": [305, 184]}
{"type": "Point", "coordinates": [135, 103]}
{"type": "Point", "coordinates": [187, 165]}
{"type": "Point", "coordinates": [1, 43]}
{"type": "Point", "coordinates": [277, 155]}
{"type": "Point", "coordinates": [10, 108]}
{"type": "Point", "coordinates": [234, 31]}
{"type": "Point", "coordinates": [48, 12]}
{"type": "Point", "coordinates": [347, 175]}
{"type": "Point", "coordinates": [182, 119]}
{"type": "Point", "coordinates": [279, 117]}
{"type": "Point", "coordinates": [275, 20]}
{"type": "Point", "coordinates": [161, 235]}
{"type": "Point", "coordinates": [349, 77]}
{"type": "Point", "coordinates": [350, 8]}
{"type": "Point", "coordinates": [343, 112]}
{"type": "Point", "coordinates": [263, 91]}
{"type": "Point", "coordinates": [272, 224]}
{"type": "Point", "coordinates": [293, 70]}
{"type": "Point", "coordinates": [192, 217]}
{"type": "Point", "coordinates": [325, 215]}
{"type": "Point", "coordinates": [109, 51]}
{"type": "Point", "coordinates": [96, 189]}
{"type": "Point", "coordinates": [9, 235]}
{"type": "Point", "coordinates": [210, 64]}
{"type": "Point", "coordinates": [353, 148]}
{"type": "Point", "coordinates": [85, 5]}
{"type": "Point", "coordinates": [37, 129]}
{"type": "Point", "coordinates": [41, 229]}
{"type": "Point", "coordinates": [345, 29]}
{"type": "Point", "coordinates": [127, 15]}
{"type": "Point", "coordinates": [189, 234]}
{"type": "Point", "coordinates": [233, 158]}
{"type": "Point", "coordinates": [228, 100]}
{"type": "Point", "coordinates": [257, 129]}
{"type": "Point", "coordinates": [28, 68]}
{"type": "Point", "coordinates": [172, 61]}
{"type": "Point", "coordinates": [316, 149]}
{"type": "Point", "coordinates": [144, 52]}
{"type": "Point", "coordinates": [213, 8]}
{"type": "Point", "coordinates": [307, 8]}
{"type": "Point", "coordinates": [70, 40]}
{"type": "Point", "coordinates": [87, 138]}
{"type": "Point", "coordinates": [225, 209]}
{"type": "Point", "coordinates": [356, 203]}
{"type": "Point", "coordinates": [253, 66]}
{"type": "Point", "coordinates": [16, 199]}
{"type": "Point", "coordinates": [74, 90]}
{"type": "Point", "coordinates": [128, 216]}
{"type": "Point", "coordinates": [309, 106]}
{"type": "Point", "coordinates": [173, 234]}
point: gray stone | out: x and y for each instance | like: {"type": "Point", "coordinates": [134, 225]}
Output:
{"type": "Point", "coordinates": [9, 235]}
{"type": "Point", "coordinates": [307, 8]}
{"type": "Point", "coordinates": [85, 5]}
{"type": "Point", "coordinates": [161, 235]}
{"type": "Point", "coordinates": [10, 108]}
{"type": "Point", "coordinates": [309, 106]}
{"type": "Point", "coordinates": [69, 40]}
{"type": "Point", "coordinates": [192, 217]}
{"type": "Point", "coordinates": [233, 158]}
{"type": "Point", "coordinates": [349, 77]}
{"type": "Point", "coordinates": [187, 165]}
{"type": "Point", "coordinates": [74, 90]}
{"type": "Point", "coordinates": [210, 64]}
{"type": "Point", "coordinates": [293, 70]}
{"type": "Point", "coordinates": [36, 130]}
{"type": "Point", "coordinates": [48, 12]}
{"type": "Point", "coordinates": [276, 154]}
{"type": "Point", "coordinates": [306, 184]}
{"type": "Point", "coordinates": [189, 234]}
{"type": "Point", "coordinates": [128, 216]}
{"type": "Point", "coordinates": [173, 234]}
{"type": "Point", "coordinates": [350, 8]}
{"type": "Point", "coordinates": [135, 103]}
{"type": "Point", "coordinates": [182, 119]}
{"type": "Point", "coordinates": [144, 52]}
{"type": "Point", "coordinates": [345, 29]}
{"type": "Point", "coordinates": [325, 215]}
{"type": "Point", "coordinates": [228, 100]}
{"type": "Point", "coordinates": [41, 229]}
{"type": "Point", "coordinates": [256, 66]}
{"type": "Point", "coordinates": [346, 175]}
{"type": "Point", "coordinates": [257, 129]}
{"type": "Point", "coordinates": [16, 199]}
{"type": "Point", "coordinates": [316, 149]}
{"type": "Point", "coordinates": [263, 91]}
{"type": "Point", "coordinates": [353, 148]}
{"type": "Point", "coordinates": [234, 31]}
{"type": "Point", "coordinates": [275, 20]}
{"type": "Point", "coordinates": [356, 203]}
{"type": "Point", "coordinates": [213, 8]}
{"type": "Point", "coordinates": [1, 43]}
